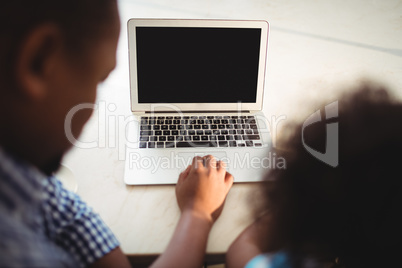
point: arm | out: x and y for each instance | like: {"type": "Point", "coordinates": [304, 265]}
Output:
{"type": "Point", "coordinates": [74, 226]}
{"type": "Point", "coordinates": [201, 191]}
{"type": "Point", "coordinates": [115, 258]}
{"type": "Point", "coordinates": [254, 240]}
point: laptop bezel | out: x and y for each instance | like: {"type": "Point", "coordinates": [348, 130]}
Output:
{"type": "Point", "coordinates": [194, 107]}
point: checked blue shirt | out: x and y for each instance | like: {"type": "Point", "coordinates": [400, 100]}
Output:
{"type": "Point", "coordinates": [44, 225]}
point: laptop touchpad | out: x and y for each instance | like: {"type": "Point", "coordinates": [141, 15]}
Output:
{"type": "Point", "coordinates": [186, 159]}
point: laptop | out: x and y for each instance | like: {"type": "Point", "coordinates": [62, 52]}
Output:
{"type": "Point", "coordinates": [196, 89]}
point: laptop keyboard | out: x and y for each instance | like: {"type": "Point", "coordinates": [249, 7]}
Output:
{"type": "Point", "coordinates": [199, 131]}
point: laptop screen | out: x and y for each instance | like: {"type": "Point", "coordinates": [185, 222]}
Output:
{"type": "Point", "coordinates": [197, 64]}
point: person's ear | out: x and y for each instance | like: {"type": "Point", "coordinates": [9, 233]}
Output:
{"type": "Point", "coordinates": [37, 57]}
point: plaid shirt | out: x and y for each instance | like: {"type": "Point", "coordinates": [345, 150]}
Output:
{"type": "Point", "coordinates": [44, 225]}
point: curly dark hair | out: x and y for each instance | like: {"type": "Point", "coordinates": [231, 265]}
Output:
{"type": "Point", "coordinates": [348, 212]}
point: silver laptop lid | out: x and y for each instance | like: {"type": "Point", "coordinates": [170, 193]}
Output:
{"type": "Point", "coordinates": [197, 65]}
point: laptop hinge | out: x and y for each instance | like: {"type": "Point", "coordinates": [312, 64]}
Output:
{"type": "Point", "coordinates": [172, 112]}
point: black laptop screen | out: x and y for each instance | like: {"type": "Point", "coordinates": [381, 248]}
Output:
{"type": "Point", "coordinates": [197, 65]}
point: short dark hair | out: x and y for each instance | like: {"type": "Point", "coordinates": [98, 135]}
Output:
{"type": "Point", "coordinates": [350, 212]}
{"type": "Point", "coordinates": [81, 21]}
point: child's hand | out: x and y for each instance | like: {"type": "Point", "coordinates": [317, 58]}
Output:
{"type": "Point", "coordinates": [203, 186]}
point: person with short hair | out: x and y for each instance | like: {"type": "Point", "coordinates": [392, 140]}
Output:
{"type": "Point", "coordinates": [53, 54]}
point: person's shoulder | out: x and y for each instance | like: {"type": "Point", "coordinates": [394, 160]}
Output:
{"type": "Point", "coordinates": [23, 245]}
{"type": "Point", "coordinates": [270, 260]}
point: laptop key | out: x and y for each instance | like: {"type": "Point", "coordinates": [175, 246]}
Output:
{"type": "Point", "coordinates": [213, 138]}
{"type": "Point", "coordinates": [196, 144]}
{"type": "Point", "coordinates": [151, 144]}
{"type": "Point", "coordinates": [143, 145]}
{"type": "Point", "coordinates": [187, 138]}
{"type": "Point", "coordinates": [237, 137]}
{"type": "Point", "coordinates": [169, 144]}
{"type": "Point", "coordinates": [153, 138]}
{"type": "Point", "coordinates": [166, 132]}
{"type": "Point", "coordinates": [196, 138]}
{"type": "Point", "coordinates": [162, 138]}
{"type": "Point", "coordinates": [170, 138]}
{"type": "Point", "coordinates": [223, 144]}
{"type": "Point", "coordinates": [175, 132]}
{"type": "Point", "coordinates": [200, 132]}
{"type": "Point", "coordinates": [221, 138]}
{"type": "Point", "coordinates": [229, 137]}
{"type": "Point", "coordinates": [249, 143]}
{"type": "Point", "coordinates": [158, 132]}
{"type": "Point", "coordinates": [232, 144]}
{"type": "Point", "coordinates": [191, 132]}
{"type": "Point", "coordinates": [204, 138]}
{"type": "Point", "coordinates": [241, 145]}
{"type": "Point", "coordinates": [251, 137]}
{"type": "Point", "coordinates": [146, 133]}
{"type": "Point", "coordinates": [144, 138]}
{"type": "Point", "coordinates": [145, 127]}
{"type": "Point", "coordinates": [160, 144]}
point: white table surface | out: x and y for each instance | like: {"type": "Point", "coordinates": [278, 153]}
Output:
{"type": "Point", "coordinates": [315, 48]}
